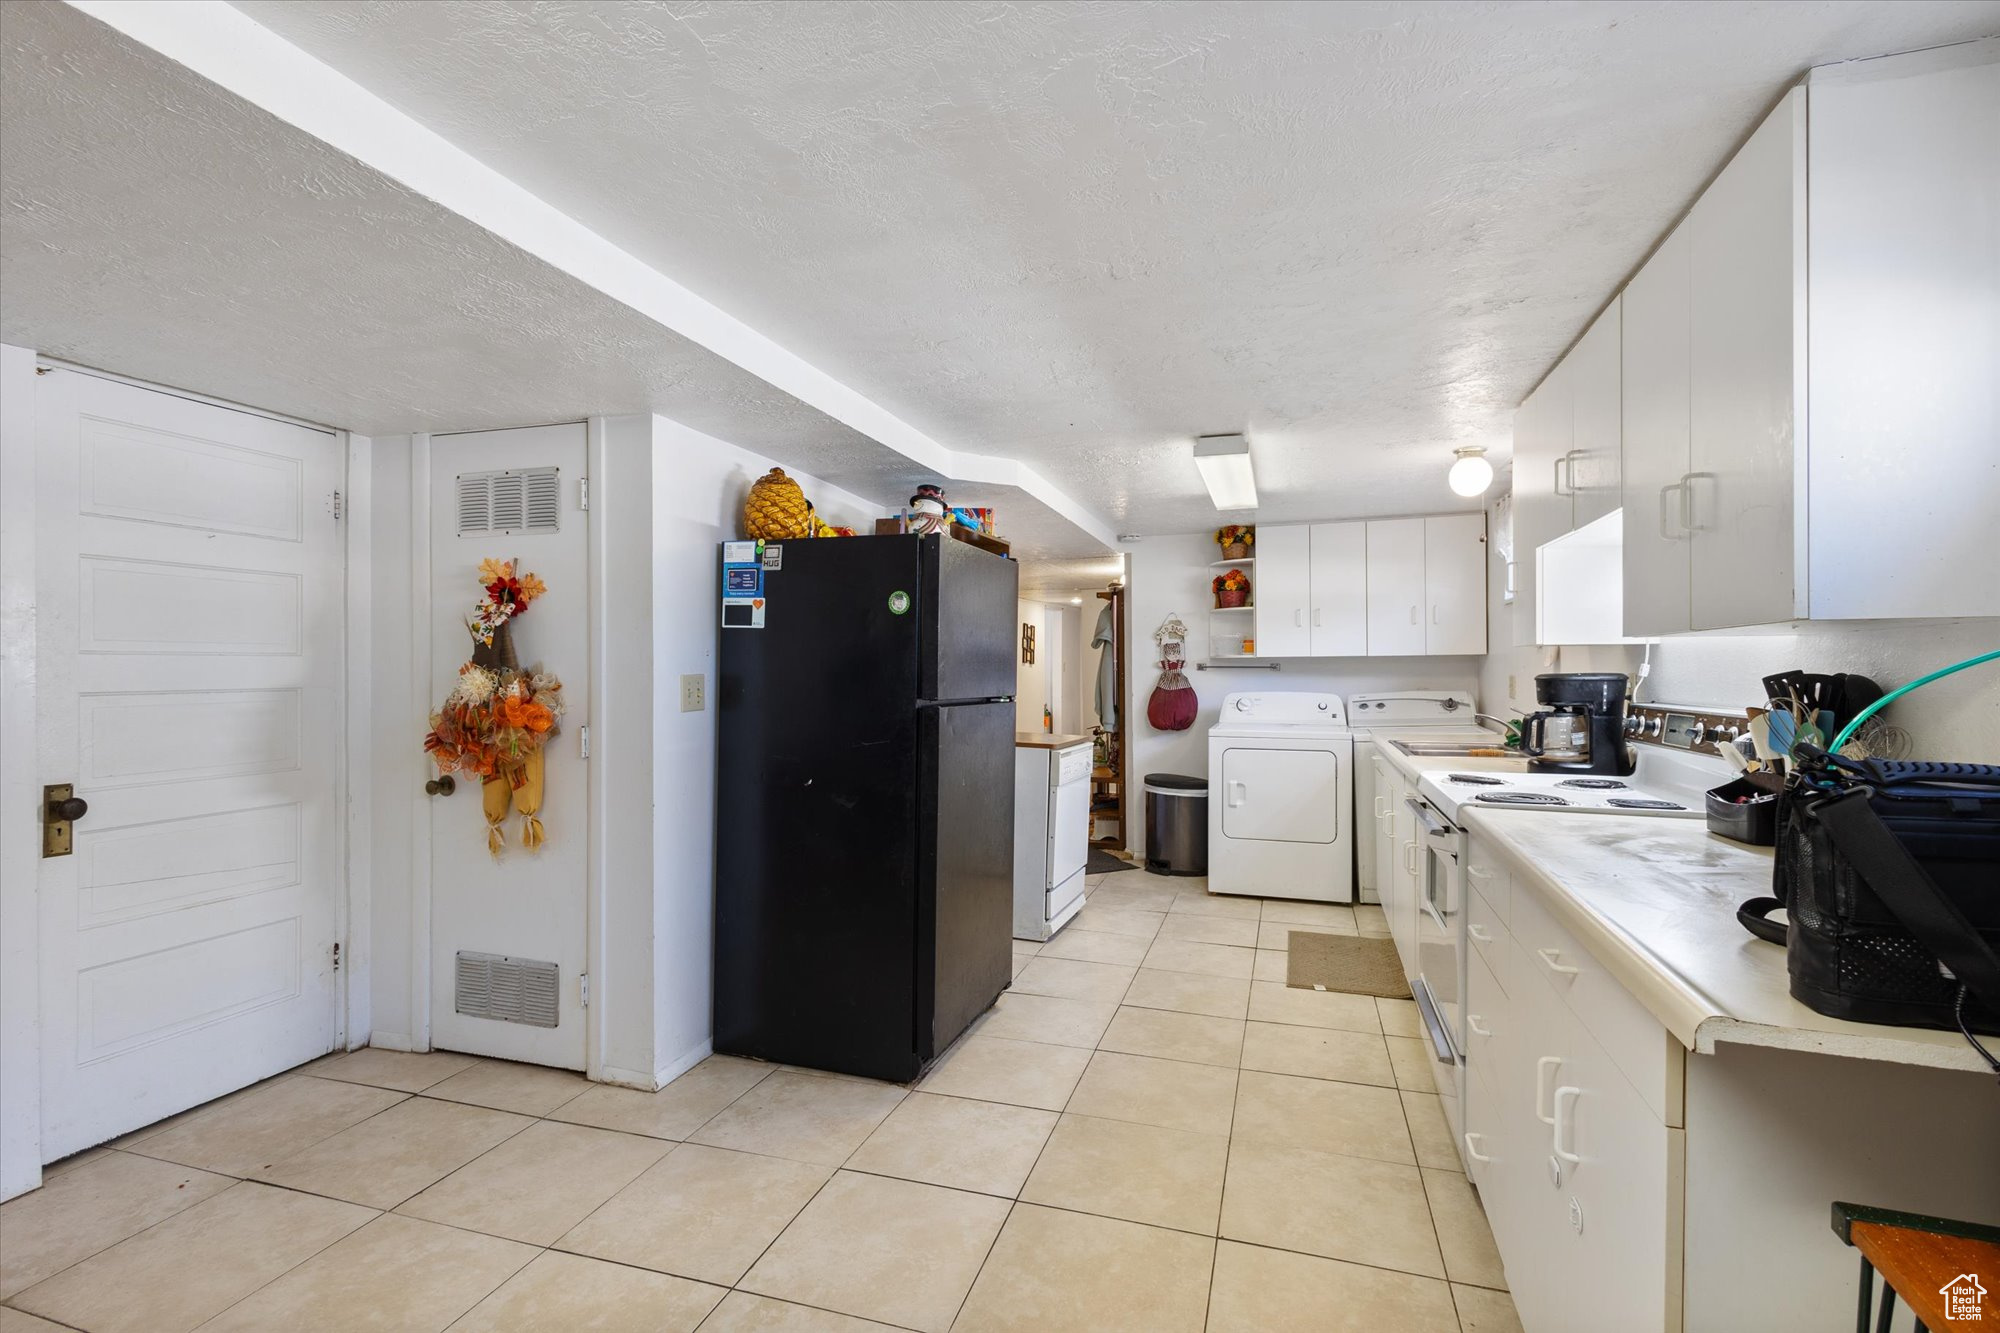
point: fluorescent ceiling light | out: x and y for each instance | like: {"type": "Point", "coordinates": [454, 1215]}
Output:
{"type": "Point", "coordinates": [1471, 474]}
{"type": "Point", "coordinates": [1224, 461]}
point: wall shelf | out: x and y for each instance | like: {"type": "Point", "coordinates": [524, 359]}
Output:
{"type": "Point", "coordinates": [1231, 610]}
{"type": "Point", "coordinates": [1232, 564]}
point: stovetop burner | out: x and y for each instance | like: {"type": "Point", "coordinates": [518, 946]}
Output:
{"type": "Point", "coordinates": [1476, 779]}
{"type": "Point", "coordinates": [1637, 803]}
{"type": "Point", "coordinates": [1518, 798]}
{"type": "Point", "coordinates": [1593, 784]}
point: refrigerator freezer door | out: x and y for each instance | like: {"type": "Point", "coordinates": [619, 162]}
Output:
{"type": "Point", "coordinates": [966, 852]}
{"type": "Point", "coordinates": [817, 803]}
{"type": "Point", "coordinates": [971, 622]}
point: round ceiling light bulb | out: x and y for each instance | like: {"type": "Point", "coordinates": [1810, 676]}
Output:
{"type": "Point", "coordinates": [1471, 474]}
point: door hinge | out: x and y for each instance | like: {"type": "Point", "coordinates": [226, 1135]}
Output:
{"type": "Point", "coordinates": [583, 989]}
{"type": "Point", "coordinates": [337, 506]}
{"type": "Point", "coordinates": [583, 741]}
{"type": "Point", "coordinates": [336, 955]}
{"type": "Point", "coordinates": [583, 493]}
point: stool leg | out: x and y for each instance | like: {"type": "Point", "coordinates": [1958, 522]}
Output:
{"type": "Point", "coordinates": [1865, 1302]}
{"type": "Point", "coordinates": [1888, 1308]}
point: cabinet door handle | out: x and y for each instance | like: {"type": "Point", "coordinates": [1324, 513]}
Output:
{"type": "Point", "coordinates": [1472, 1022]}
{"type": "Point", "coordinates": [1477, 871]}
{"type": "Point", "coordinates": [1678, 488]}
{"type": "Point", "coordinates": [1542, 1067]}
{"type": "Point", "coordinates": [1413, 615]}
{"type": "Point", "coordinates": [1298, 617]}
{"type": "Point", "coordinates": [1410, 858]}
{"type": "Point", "coordinates": [1688, 514]}
{"type": "Point", "coordinates": [1566, 1094]}
{"type": "Point", "coordinates": [1315, 617]}
{"type": "Point", "coordinates": [1478, 933]}
{"type": "Point", "coordinates": [1434, 613]}
{"type": "Point", "coordinates": [1549, 956]}
{"type": "Point", "coordinates": [1473, 1152]}
{"type": "Point", "coordinates": [1556, 478]}
{"type": "Point", "coordinates": [1381, 807]}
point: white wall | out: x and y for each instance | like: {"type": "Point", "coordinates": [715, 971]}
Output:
{"type": "Point", "coordinates": [1031, 681]}
{"type": "Point", "coordinates": [1957, 718]}
{"type": "Point", "coordinates": [1073, 703]}
{"type": "Point", "coordinates": [1171, 574]}
{"type": "Point", "coordinates": [20, 787]}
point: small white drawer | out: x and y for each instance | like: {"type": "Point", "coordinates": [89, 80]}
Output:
{"type": "Point", "coordinates": [1637, 1042]}
{"type": "Point", "coordinates": [1488, 933]}
{"type": "Point", "coordinates": [1487, 877]}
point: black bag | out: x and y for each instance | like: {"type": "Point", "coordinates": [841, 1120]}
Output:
{"type": "Point", "coordinates": [1890, 875]}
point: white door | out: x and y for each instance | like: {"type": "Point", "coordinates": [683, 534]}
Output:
{"type": "Point", "coordinates": [1746, 271]}
{"type": "Point", "coordinates": [1280, 795]}
{"type": "Point", "coordinates": [1339, 589]}
{"type": "Point", "coordinates": [1396, 587]}
{"type": "Point", "coordinates": [1543, 430]}
{"type": "Point", "coordinates": [1281, 588]}
{"type": "Point", "coordinates": [189, 653]}
{"type": "Point", "coordinates": [1654, 382]}
{"type": "Point", "coordinates": [528, 908]}
{"type": "Point", "coordinates": [1455, 584]}
{"type": "Point", "coordinates": [1595, 427]}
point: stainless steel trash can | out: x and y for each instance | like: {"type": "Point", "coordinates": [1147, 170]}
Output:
{"type": "Point", "coordinates": [1176, 824]}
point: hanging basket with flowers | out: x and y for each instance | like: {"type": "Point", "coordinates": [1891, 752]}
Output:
{"type": "Point", "coordinates": [1236, 540]}
{"type": "Point", "coordinates": [1231, 589]}
{"type": "Point", "coordinates": [498, 718]}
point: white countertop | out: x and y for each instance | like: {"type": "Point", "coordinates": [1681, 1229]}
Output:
{"type": "Point", "coordinates": [1655, 900]}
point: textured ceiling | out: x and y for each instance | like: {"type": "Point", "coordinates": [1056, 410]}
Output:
{"type": "Point", "coordinates": [154, 225]}
{"type": "Point", "coordinates": [1080, 233]}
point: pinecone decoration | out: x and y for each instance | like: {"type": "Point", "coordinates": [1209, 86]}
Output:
{"type": "Point", "coordinates": [777, 508]}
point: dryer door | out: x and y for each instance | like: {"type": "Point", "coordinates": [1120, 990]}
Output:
{"type": "Point", "coordinates": [1280, 795]}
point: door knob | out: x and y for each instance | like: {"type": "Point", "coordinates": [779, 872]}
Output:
{"type": "Point", "coordinates": [441, 786]}
{"type": "Point", "coordinates": [61, 807]}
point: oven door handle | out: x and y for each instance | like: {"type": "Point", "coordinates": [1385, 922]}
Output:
{"type": "Point", "coordinates": [1434, 1027]}
{"type": "Point", "coordinates": [1429, 823]}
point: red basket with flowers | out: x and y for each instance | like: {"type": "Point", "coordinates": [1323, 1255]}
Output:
{"type": "Point", "coordinates": [1231, 589]}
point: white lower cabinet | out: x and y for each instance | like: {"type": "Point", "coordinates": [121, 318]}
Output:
{"type": "Point", "coordinates": [1577, 1172]}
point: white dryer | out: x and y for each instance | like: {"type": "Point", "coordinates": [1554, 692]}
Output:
{"type": "Point", "coordinates": [1280, 804]}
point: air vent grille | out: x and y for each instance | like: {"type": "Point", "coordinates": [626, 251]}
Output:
{"type": "Point", "coordinates": [519, 500]}
{"type": "Point", "coordinates": [512, 990]}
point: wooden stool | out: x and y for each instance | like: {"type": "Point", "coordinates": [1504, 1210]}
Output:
{"type": "Point", "coordinates": [1914, 1254]}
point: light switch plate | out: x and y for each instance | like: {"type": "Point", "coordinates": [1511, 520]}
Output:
{"type": "Point", "coordinates": [694, 693]}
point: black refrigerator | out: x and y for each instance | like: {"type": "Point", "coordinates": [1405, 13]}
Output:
{"type": "Point", "coordinates": [865, 801]}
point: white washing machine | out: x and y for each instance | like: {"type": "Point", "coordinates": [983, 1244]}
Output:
{"type": "Point", "coordinates": [1280, 768]}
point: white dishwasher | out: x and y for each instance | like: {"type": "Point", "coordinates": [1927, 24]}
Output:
{"type": "Point", "coordinates": [1051, 831]}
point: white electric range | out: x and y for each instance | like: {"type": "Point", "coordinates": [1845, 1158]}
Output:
{"type": "Point", "coordinates": [1675, 763]}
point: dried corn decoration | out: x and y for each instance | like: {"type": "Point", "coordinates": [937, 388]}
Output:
{"type": "Point", "coordinates": [528, 801]}
{"type": "Point", "coordinates": [494, 799]}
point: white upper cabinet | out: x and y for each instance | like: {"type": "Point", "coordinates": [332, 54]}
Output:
{"type": "Point", "coordinates": [1396, 593]}
{"type": "Point", "coordinates": [1281, 589]}
{"type": "Point", "coordinates": [1746, 313]}
{"type": "Point", "coordinates": [1339, 590]}
{"type": "Point", "coordinates": [1590, 470]}
{"type": "Point", "coordinates": [1400, 587]}
{"type": "Point", "coordinates": [1542, 433]}
{"type": "Point", "coordinates": [1655, 410]}
{"type": "Point", "coordinates": [1905, 335]}
{"type": "Point", "coordinates": [1809, 405]}
{"type": "Point", "coordinates": [1455, 584]}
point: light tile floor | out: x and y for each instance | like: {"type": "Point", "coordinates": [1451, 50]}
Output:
{"type": "Point", "coordinates": [1149, 1132]}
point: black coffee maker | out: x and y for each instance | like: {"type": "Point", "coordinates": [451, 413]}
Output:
{"type": "Point", "coordinates": [1582, 729]}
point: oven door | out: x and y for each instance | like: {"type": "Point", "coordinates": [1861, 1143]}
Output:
{"type": "Point", "coordinates": [1439, 987]}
